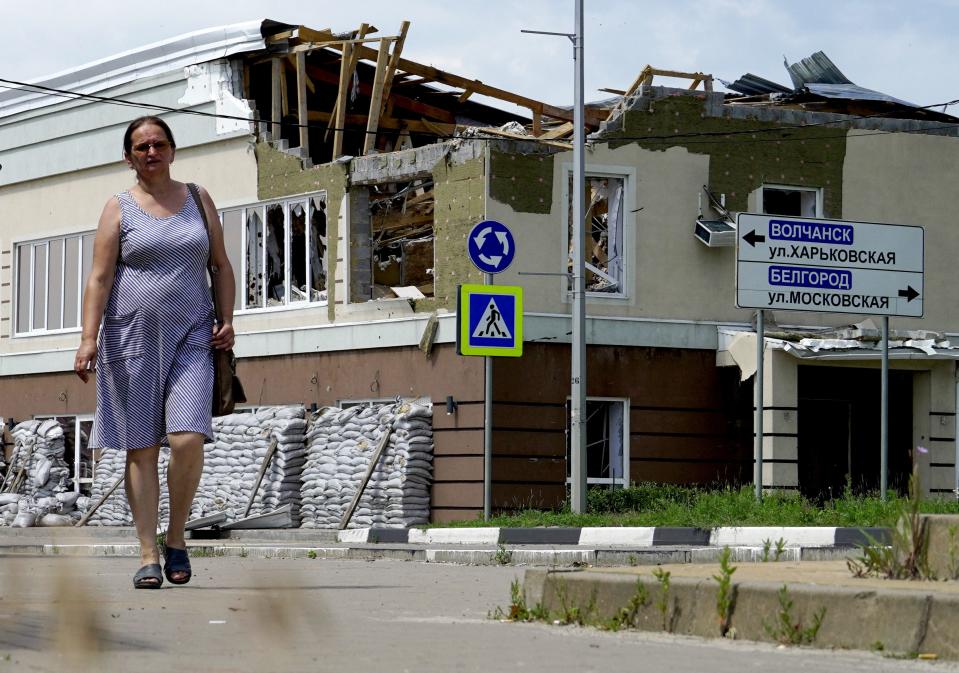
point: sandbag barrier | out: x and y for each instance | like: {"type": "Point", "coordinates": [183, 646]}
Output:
{"type": "Point", "coordinates": [340, 444]}
{"type": "Point", "coordinates": [37, 478]}
{"type": "Point", "coordinates": [319, 462]}
{"type": "Point", "coordinates": [232, 462]}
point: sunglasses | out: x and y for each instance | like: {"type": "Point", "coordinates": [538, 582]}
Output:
{"type": "Point", "coordinates": [159, 146]}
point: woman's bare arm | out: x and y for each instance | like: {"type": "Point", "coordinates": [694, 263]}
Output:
{"type": "Point", "coordinates": [223, 336]}
{"type": "Point", "coordinates": [106, 248]}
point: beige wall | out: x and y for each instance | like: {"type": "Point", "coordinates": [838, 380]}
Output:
{"type": "Point", "coordinates": [908, 178]}
{"type": "Point", "coordinates": [897, 178]}
{"type": "Point", "coordinates": [71, 203]}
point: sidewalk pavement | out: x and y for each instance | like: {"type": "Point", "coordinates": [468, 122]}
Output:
{"type": "Point", "coordinates": [907, 618]}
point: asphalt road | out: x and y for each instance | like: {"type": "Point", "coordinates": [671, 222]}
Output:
{"type": "Point", "coordinates": [243, 614]}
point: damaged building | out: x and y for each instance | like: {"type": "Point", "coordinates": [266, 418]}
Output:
{"type": "Point", "coordinates": [347, 177]}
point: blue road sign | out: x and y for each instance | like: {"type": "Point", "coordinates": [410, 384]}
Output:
{"type": "Point", "coordinates": [491, 247]}
{"type": "Point", "coordinates": [490, 320]}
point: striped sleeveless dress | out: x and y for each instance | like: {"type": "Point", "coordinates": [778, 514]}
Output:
{"type": "Point", "coordinates": [154, 360]}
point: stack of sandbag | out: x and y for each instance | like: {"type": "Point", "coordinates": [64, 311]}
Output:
{"type": "Point", "coordinates": [22, 511]}
{"type": "Point", "coordinates": [115, 511]}
{"type": "Point", "coordinates": [340, 447]}
{"type": "Point", "coordinates": [36, 486]}
{"type": "Point", "coordinates": [38, 459]}
{"type": "Point", "coordinates": [233, 461]}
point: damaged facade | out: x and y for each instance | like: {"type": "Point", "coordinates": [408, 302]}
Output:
{"type": "Point", "coordinates": [348, 177]}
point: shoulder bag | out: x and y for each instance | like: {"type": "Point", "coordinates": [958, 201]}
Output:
{"type": "Point", "coordinates": [227, 389]}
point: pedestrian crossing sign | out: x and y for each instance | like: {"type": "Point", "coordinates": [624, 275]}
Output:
{"type": "Point", "coordinates": [490, 320]}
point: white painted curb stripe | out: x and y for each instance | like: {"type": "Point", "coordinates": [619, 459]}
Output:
{"type": "Point", "coordinates": [755, 536]}
{"type": "Point", "coordinates": [638, 537]}
{"type": "Point", "coordinates": [454, 536]}
{"type": "Point", "coordinates": [360, 535]}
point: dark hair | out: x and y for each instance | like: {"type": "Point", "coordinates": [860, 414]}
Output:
{"type": "Point", "coordinates": [140, 121]}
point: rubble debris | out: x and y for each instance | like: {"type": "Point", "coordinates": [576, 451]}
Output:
{"type": "Point", "coordinates": [401, 222]}
{"type": "Point", "coordinates": [604, 245]}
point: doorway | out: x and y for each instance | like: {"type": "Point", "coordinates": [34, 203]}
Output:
{"type": "Point", "coordinates": [839, 432]}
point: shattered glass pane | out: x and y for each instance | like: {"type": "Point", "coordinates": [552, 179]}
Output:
{"type": "Point", "coordinates": [318, 247]}
{"type": "Point", "coordinates": [298, 253]}
{"type": "Point", "coordinates": [275, 256]}
{"type": "Point", "coordinates": [604, 243]}
{"type": "Point", "coordinates": [254, 258]}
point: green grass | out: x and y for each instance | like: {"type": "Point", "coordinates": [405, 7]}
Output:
{"type": "Point", "coordinates": [667, 505]}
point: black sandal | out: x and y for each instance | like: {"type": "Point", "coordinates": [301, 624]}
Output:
{"type": "Point", "coordinates": [177, 561]}
{"type": "Point", "coordinates": [148, 577]}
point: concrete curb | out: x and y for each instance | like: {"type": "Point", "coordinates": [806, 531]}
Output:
{"type": "Point", "coordinates": [514, 555]}
{"type": "Point", "coordinates": [593, 537]}
{"type": "Point", "coordinates": [753, 536]}
{"type": "Point", "coordinates": [894, 620]}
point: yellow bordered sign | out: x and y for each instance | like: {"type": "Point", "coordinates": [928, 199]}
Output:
{"type": "Point", "coordinates": [489, 320]}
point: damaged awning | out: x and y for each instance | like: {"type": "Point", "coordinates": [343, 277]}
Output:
{"type": "Point", "coordinates": [737, 347]}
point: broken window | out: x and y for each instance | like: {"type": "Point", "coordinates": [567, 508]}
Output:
{"type": "Point", "coordinates": [604, 237]}
{"type": "Point", "coordinates": [284, 258]}
{"type": "Point", "coordinates": [81, 460]}
{"type": "Point", "coordinates": [401, 226]}
{"type": "Point", "coordinates": [792, 201]}
{"type": "Point", "coordinates": [50, 276]}
{"type": "Point", "coordinates": [607, 442]}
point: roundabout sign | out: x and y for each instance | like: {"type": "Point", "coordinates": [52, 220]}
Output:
{"type": "Point", "coordinates": [491, 247]}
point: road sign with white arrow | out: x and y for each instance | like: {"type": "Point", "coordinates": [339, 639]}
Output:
{"type": "Point", "coordinates": [490, 246]}
{"type": "Point", "coordinates": [833, 266]}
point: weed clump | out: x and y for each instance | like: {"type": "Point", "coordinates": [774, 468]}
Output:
{"type": "Point", "coordinates": [788, 630]}
{"type": "Point", "coordinates": [908, 555]}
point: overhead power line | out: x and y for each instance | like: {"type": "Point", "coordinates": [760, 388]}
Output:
{"type": "Point", "coordinates": [756, 135]}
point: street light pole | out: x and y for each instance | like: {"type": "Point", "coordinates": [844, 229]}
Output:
{"type": "Point", "coordinates": [577, 417]}
{"type": "Point", "coordinates": [577, 410]}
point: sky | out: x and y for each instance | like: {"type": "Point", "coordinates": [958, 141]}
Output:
{"type": "Point", "coordinates": [905, 49]}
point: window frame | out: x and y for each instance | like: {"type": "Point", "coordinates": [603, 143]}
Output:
{"type": "Point", "coordinates": [32, 243]}
{"type": "Point", "coordinates": [818, 191]}
{"type": "Point", "coordinates": [75, 451]}
{"type": "Point", "coordinates": [622, 481]}
{"type": "Point", "coordinates": [261, 207]}
{"type": "Point", "coordinates": [628, 175]}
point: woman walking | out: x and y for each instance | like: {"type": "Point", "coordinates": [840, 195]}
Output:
{"type": "Point", "coordinates": [153, 362]}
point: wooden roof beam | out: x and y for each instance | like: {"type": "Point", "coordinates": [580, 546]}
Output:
{"type": "Point", "coordinates": [448, 78]}
{"type": "Point", "coordinates": [392, 123]}
{"type": "Point", "coordinates": [404, 102]}
{"type": "Point", "coordinates": [376, 96]}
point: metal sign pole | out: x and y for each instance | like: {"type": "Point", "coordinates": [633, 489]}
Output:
{"type": "Point", "coordinates": [758, 402]}
{"type": "Point", "coordinates": [884, 413]}
{"type": "Point", "coordinates": [488, 431]}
